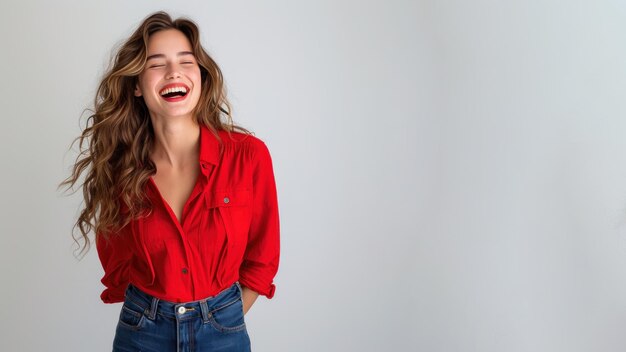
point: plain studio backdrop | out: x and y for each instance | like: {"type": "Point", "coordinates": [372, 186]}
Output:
{"type": "Point", "coordinates": [451, 174]}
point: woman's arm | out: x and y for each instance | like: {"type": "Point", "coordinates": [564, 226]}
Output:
{"type": "Point", "coordinates": [115, 255]}
{"type": "Point", "coordinates": [260, 260]}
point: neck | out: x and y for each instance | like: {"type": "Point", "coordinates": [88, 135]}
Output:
{"type": "Point", "coordinates": [176, 143]}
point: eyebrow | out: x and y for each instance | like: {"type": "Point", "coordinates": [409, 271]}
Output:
{"type": "Point", "coordinates": [162, 56]}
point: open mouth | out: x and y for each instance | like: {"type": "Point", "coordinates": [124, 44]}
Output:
{"type": "Point", "coordinates": [175, 93]}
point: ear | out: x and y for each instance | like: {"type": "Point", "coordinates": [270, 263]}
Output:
{"type": "Point", "coordinates": [138, 90]}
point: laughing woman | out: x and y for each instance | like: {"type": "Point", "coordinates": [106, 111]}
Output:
{"type": "Point", "coordinates": [183, 203]}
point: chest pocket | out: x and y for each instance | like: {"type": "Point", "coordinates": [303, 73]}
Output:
{"type": "Point", "coordinates": [234, 208]}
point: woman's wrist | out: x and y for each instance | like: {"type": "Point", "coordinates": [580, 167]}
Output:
{"type": "Point", "coordinates": [248, 297]}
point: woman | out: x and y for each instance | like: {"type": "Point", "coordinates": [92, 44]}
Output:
{"type": "Point", "coordinates": [184, 207]}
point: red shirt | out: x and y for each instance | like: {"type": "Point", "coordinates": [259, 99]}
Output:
{"type": "Point", "coordinates": [229, 230]}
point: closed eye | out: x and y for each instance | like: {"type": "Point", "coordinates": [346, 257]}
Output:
{"type": "Point", "coordinates": [183, 63]}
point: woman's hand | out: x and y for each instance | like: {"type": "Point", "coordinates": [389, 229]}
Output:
{"type": "Point", "coordinates": [248, 297]}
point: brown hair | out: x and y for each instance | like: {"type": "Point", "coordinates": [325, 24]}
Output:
{"type": "Point", "coordinates": [120, 134]}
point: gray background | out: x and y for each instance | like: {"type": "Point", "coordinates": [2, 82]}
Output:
{"type": "Point", "coordinates": [451, 174]}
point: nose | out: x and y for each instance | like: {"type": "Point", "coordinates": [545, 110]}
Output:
{"type": "Point", "coordinates": [173, 72]}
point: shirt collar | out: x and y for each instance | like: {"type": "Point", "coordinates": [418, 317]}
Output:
{"type": "Point", "coordinates": [209, 149]}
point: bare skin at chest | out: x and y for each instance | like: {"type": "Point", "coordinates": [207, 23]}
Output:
{"type": "Point", "coordinates": [176, 185]}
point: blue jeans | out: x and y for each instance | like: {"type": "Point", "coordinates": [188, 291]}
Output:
{"type": "Point", "coordinates": [149, 324]}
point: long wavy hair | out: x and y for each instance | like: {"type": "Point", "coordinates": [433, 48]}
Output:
{"type": "Point", "coordinates": [120, 134]}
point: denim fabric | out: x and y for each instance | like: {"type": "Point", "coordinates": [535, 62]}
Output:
{"type": "Point", "coordinates": [149, 324]}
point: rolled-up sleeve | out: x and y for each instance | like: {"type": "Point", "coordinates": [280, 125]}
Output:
{"type": "Point", "coordinates": [115, 255]}
{"type": "Point", "coordinates": [260, 261]}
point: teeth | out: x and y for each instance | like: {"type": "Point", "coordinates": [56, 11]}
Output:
{"type": "Point", "coordinates": [173, 90]}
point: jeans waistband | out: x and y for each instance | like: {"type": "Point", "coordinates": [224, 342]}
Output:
{"type": "Point", "coordinates": [152, 305]}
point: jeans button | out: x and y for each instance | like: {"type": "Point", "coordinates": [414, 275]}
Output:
{"type": "Point", "coordinates": [181, 310]}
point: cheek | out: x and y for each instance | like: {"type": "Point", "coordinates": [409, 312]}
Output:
{"type": "Point", "coordinates": [195, 75]}
{"type": "Point", "coordinates": [197, 81]}
{"type": "Point", "coordinates": [148, 80]}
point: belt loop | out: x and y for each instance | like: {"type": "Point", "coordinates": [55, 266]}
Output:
{"type": "Point", "coordinates": [153, 308]}
{"type": "Point", "coordinates": [205, 311]}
